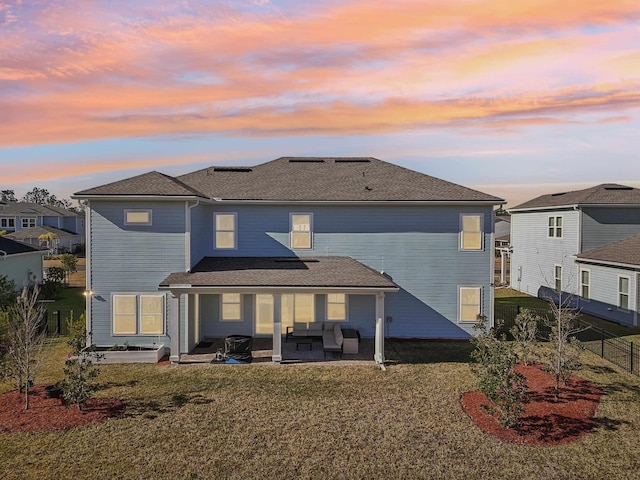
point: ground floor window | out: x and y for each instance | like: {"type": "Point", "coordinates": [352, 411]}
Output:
{"type": "Point", "coordinates": [557, 278]}
{"type": "Point", "coordinates": [138, 314]}
{"type": "Point", "coordinates": [470, 303]}
{"type": "Point", "coordinates": [623, 293]}
{"type": "Point", "coordinates": [231, 307]}
{"type": "Point", "coordinates": [584, 284]}
{"type": "Point", "coordinates": [336, 307]}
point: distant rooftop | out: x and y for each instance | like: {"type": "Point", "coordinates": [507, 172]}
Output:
{"type": "Point", "coordinates": [625, 252]}
{"type": "Point", "coordinates": [300, 179]}
{"type": "Point", "coordinates": [13, 247]}
{"type": "Point", "coordinates": [20, 208]}
{"type": "Point", "coordinates": [604, 194]}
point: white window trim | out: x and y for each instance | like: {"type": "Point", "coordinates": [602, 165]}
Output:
{"type": "Point", "coordinates": [588, 285]}
{"type": "Point", "coordinates": [240, 303]}
{"type": "Point", "coordinates": [461, 236]}
{"type": "Point", "coordinates": [555, 226]}
{"type": "Point", "coordinates": [138, 210]}
{"type": "Point", "coordinates": [480, 309]}
{"type": "Point", "coordinates": [346, 309]}
{"type": "Point", "coordinates": [29, 220]}
{"type": "Point", "coordinates": [8, 223]}
{"type": "Point", "coordinates": [138, 297]}
{"type": "Point", "coordinates": [291, 214]}
{"type": "Point", "coordinates": [555, 279]}
{"type": "Point", "coordinates": [293, 305]}
{"type": "Point", "coordinates": [628, 294]}
{"type": "Point", "coordinates": [235, 231]}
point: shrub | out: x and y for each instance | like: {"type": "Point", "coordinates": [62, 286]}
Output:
{"type": "Point", "coordinates": [495, 360]}
{"type": "Point", "coordinates": [8, 292]}
{"type": "Point", "coordinates": [524, 332]}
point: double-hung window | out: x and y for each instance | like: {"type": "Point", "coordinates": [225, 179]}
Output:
{"type": "Point", "coordinates": [557, 277]}
{"type": "Point", "coordinates": [585, 283]}
{"type": "Point", "coordinates": [231, 309]}
{"type": "Point", "coordinates": [336, 307]}
{"type": "Point", "coordinates": [470, 303]}
{"type": "Point", "coordinates": [226, 231]}
{"type": "Point", "coordinates": [28, 222]}
{"type": "Point", "coordinates": [301, 231]}
{"type": "Point", "coordinates": [470, 231]}
{"type": "Point", "coordinates": [7, 223]}
{"type": "Point", "coordinates": [555, 227]}
{"type": "Point", "coordinates": [623, 293]}
{"type": "Point", "coordinates": [138, 314]}
{"type": "Point", "coordinates": [298, 307]}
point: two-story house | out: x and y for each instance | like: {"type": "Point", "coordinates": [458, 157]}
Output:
{"type": "Point", "coordinates": [250, 250]}
{"type": "Point", "coordinates": [569, 242]}
{"type": "Point", "coordinates": [27, 222]}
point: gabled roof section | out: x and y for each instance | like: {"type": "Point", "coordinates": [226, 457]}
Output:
{"type": "Point", "coordinates": [35, 232]}
{"type": "Point", "coordinates": [27, 208]}
{"type": "Point", "coordinates": [281, 272]}
{"type": "Point", "coordinates": [328, 179]}
{"type": "Point", "coordinates": [604, 194]}
{"type": "Point", "coordinates": [12, 247]}
{"type": "Point", "coordinates": [151, 184]}
{"type": "Point", "coordinates": [624, 252]}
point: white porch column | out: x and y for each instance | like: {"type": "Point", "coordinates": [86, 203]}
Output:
{"type": "Point", "coordinates": [503, 265]}
{"type": "Point", "coordinates": [174, 313]}
{"type": "Point", "coordinates": [277, 328]}
{"type": "Point", "coordinates": [379, 340]}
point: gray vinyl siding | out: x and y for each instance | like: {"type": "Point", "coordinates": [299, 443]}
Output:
{"type": "Point", "coordinates": [22, 268]}
{"type": "Point", "coordinates": [134, 259]}
{"type": "Point", "coordinates": [535, 254]}
{"type": "Point", "coordinates": [417, 246]}
{"type": "Point", "coordinates": [601, 226]}
{"type": "Point", "coordinates": [603, 301]}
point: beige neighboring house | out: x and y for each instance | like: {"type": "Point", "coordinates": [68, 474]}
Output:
{"type": "Point", "coordinates": [20, 262]}
{"type": "Point", "coordinates": [53, 239]}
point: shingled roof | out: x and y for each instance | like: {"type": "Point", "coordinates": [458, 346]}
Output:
{"type": "Point", "coordinates": [625, 252]}
{"type": "Point", "coordinates": [151, 183]}
{"type": "Point", "coordinates": [604, 194]}
{"type": "Point", "coordinates": [302, 179]}
{"type": "Point", "coordinates": [35, 232]}
{"type": "Point", "coordinates": [12, 247]}
{"type": "Point", "coordinates": [320, 272]}
{"type": "Point", "coordinates": [20, 208]}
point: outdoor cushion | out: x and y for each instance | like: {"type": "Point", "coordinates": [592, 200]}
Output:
{"type": "Point", "coordinates": [328, 325]}
{"type": "Point", "coordinates": [337, 331]}
{"type": "Point", "coordinates": [315, 329]}
{"type": "Point", "coordinates": [299, 329]}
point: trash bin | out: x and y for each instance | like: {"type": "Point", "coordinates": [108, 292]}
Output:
{"type": "Point", "coordinates": [239, 347]}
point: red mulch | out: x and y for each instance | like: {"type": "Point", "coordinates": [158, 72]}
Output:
{"type": "Point", "coordinates": [546, 421]}
{"type": "Point", "coordinates": [50, 413]}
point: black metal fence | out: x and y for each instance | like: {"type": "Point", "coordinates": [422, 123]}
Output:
{"type": "Point", "coordinates": [617, 350]}
{"type": "Point", "coordinates": [57, 320]}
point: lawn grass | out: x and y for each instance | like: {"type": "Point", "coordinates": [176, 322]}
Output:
{"type": "Point", "coordinates": [319, 421]}
{"type": "Point", "coordinates": [71, 298]}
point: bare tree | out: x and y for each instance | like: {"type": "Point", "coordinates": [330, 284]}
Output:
{"type": "Point", "coordinates": [25, 340]}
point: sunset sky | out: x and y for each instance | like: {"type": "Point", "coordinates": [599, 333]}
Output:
{"type": "Point", "coordinates": [512, 97]}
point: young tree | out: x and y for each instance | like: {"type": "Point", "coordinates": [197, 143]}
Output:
{"type": "Point", "coordinates": [524, 332]}
{"type": "Point", "coordinates": [25, 340]}
{"type": "Point", "coordinates": [495, 361]}
{"type": "Point", "coordinates": [69, 264]}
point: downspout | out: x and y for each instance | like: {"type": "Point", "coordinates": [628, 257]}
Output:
{"type": "Point", "coordinates": [88, 282]}
{"type": "Point", "coordinates": [187, 234]}
{"type": "Point", "coordinates": [492, 268]}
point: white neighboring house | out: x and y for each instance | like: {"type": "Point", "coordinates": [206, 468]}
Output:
{"type": "Point", "coordinates": [61, 241]}
{"type": "Point", "coordinates": [552, 236]}
{"type": "Point", "coordinates": [20, 262]}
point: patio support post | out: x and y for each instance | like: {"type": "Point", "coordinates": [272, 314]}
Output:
{"type": "Point", "coordinates": [277, 328]}
{"type": "Point", "coordinates": [503, 266]}
{"type": "Point", "coordinates": [379, 341]}
{"type": "Point", "coordinates": [175, 330]}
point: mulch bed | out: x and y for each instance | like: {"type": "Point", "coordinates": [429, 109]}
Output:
{"type": "Point", "coordinates": [546, 421]}
{"type": "Point", "coordinates": [50, 413]}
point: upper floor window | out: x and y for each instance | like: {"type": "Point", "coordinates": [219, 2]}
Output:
{"type": "Point", "coordinates": [231, 307]}
{"type": "Point", "coordinates": [7, 222]}
{"type": "Point", "coordinates": [555, 227]}
{"type": "Point", "coordinates": [226, 237]}
{"type": "Point", "coordinates": [470, 303]}
{"type": "Point", "coordinates": [557, 277]}
{"type": "Point", "coordinates": [336, 307]}
{"type": "Point", "coordinates": [585, 283]}
{"type": "Point", "coordinates": [138, 314]}
{"type": "Point", "coordinates": [623, 293]}
{"type": "Point", "coordinates": [28, 222]}
{"type": "Point", "coordinates": [301, 230]}
{"type": "Point", "coordinates": [137, 217]}
{"type": "Point", "coordinates": [470, 232]}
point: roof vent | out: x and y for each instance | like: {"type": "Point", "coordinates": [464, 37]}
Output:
{"type": "Point", "coordinates": [232, 169]}
{"type": "Point", "coordinates": [617, 187]}
{"type": "Point", "coordinates": [352, 160]}
{"type": "Point", "coordinates": [558, 194]}
{"type": "Point", "coordinates": [306, 160]}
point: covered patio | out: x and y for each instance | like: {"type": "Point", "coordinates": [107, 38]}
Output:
{"type": "Point", "coordinates": [270, 294]}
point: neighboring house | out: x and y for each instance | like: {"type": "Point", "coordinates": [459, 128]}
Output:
{"type": "Point", "coordinates": [503, 231]}
{"type": "Point", "coordinates": [610, 281]}
{"type": "Point", "coordinates": [548, 232]}
{"type": "Point", "coordinates": [21, 263]}
{"type": "Point", "coordinates": [250, 250]}
{"type": "Point", "coordinates": [16, 216]}
{"type": "Point", "coordinates": [54, 239]}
